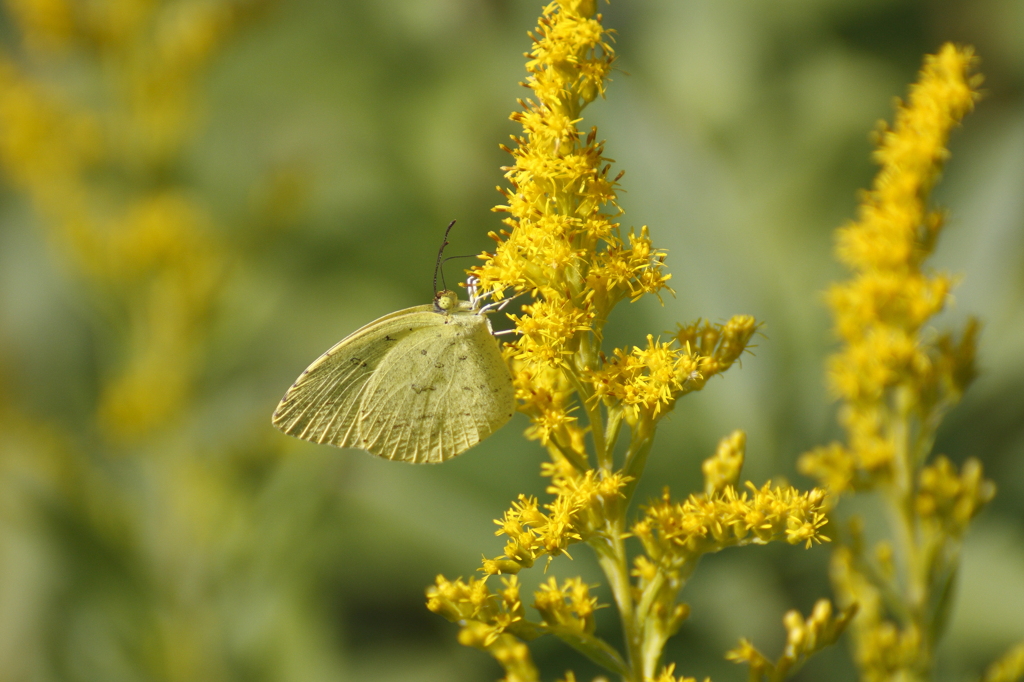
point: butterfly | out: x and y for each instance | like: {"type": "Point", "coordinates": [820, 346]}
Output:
{"type": "Point", "coordinates": [420, 385]}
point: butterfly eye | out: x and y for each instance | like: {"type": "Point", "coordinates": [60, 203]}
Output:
{"type": "Point", "coordinates": [446, 301]}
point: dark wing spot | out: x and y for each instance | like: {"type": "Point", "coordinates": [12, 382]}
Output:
{"type": "Point", "coordinates": [423, 352]}
{"type": "Point", "coordinates": [463, 357]}
{"type": "Point", "coordinates": [388, 338]}
{"type": "Point", "coordinates": [467, 388]}
{"type": "Point", "coordinates": [362, 364]}
{"type": "Point", "coordinates": [438, 365]}
{"type": "Point", "coordinates": [417, 389]}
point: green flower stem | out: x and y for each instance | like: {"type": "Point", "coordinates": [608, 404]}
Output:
{"type": "Point", "coordinates": [574, 457]}
{"type": "Point", "coordinates": [593, 411]}
{"type": "Point", "coordinates": [594, 648]}
{"type": "Point", "coordinates": [653, 637]}
{"type": "Point", "coordinates": [888, 589]}
{"type": "Point", "coordinates": [611, 556]}
{"type": "Point", "coordinates": [649, 595]}
{"type": "Point", "coordinates": [636, 456]}
{"type": "Point", "coordinates": [612, 428]}
{"type": "Point", "coordinates": [905, 526]}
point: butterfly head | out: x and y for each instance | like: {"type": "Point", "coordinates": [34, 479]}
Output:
{"type": "Point", "coordinates": [446, 301]}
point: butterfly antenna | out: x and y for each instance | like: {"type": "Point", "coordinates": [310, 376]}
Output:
{"type": "Point", "coordinates": [440, 252]}
{"type": "Point", "coordinates": [442, 267]}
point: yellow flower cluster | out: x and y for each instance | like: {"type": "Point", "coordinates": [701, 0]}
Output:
{"type": "Point", "coordinates": [946, 502]}
{"type": "Point", "coordinates": [486, 614]}
{"type": "Point", "coordinates": [678, 533]}
{"type": "Point", "coordinates": [496, 621]}
{"type": "Point", "coordinates": [578, 510]}
{"type": "Point", "coordinates": [568, 606]}
{"type": "Point", "coordinates": [674, 536]}
{"type": "Point", "coordinates": [646, 382]}
{"type": "Point", "coordinates": [803, 639]}
{"type": "Point", "coordinates": [564, 246]}
{"type": "Point", "coordinates": [647, 379]}
{"type": "Point", "coordinates": [549, 332]}
{"type": "Point", "coordinates": [719, 345]}
{"type": "Point", "coordinates": [896, 382]}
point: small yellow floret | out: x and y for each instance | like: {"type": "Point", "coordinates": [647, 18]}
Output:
{"type": "Point", "coordinates": [666, 675]}
{"type": "Point", "coordinates": [723, 469]}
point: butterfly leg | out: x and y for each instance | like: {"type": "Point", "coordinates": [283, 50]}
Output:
{"type": "Point", "coordinates": [500, 305]}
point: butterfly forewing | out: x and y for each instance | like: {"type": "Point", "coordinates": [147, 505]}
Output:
{"type": "Point", "coordinates": [323, 404]}
{"type": "Point", "coordinates": [438, 393]}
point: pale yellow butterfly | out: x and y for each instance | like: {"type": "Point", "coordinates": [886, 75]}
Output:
{"type": "Point", "coordinates": [419, 385]}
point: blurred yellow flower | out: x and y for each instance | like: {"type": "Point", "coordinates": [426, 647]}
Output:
{"type": "Point", "coordinates": [896, 380]}
{"type": "Point", "coordinates": [143, 247]}
{"type": "Point", "coordinates": [804, 638]}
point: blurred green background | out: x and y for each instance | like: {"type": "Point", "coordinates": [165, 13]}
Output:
{"type": "Point", "coordinates": [153, 526]}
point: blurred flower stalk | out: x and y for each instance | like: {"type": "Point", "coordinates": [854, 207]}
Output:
{"type": "Point", "coordinates": [565, 248]}
{"type": "Point", "coordinates": [94, 121]}
{"type": "Point", "coordinates": [129, 528]}
{"type": "Point", "coordinates": [896, 379]}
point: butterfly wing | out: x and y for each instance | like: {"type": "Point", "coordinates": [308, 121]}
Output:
{"type": "Point", "coordinates": [322, 405]}
{"type": "Point", "coordinates": [441, 391]}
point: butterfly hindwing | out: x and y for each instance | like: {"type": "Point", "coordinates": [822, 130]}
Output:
{"type": "Point", "coordinates": [440, 392]}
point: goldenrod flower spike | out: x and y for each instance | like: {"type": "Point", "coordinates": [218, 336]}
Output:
{"type": "Point", "coordinates": [149, 256]}
{"type": "Point", "coordinates": [97, 108]}
{"type": "Point", "coordinates": [896, 381]}
{"type": "Point", "coordinates": [565, 248]}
